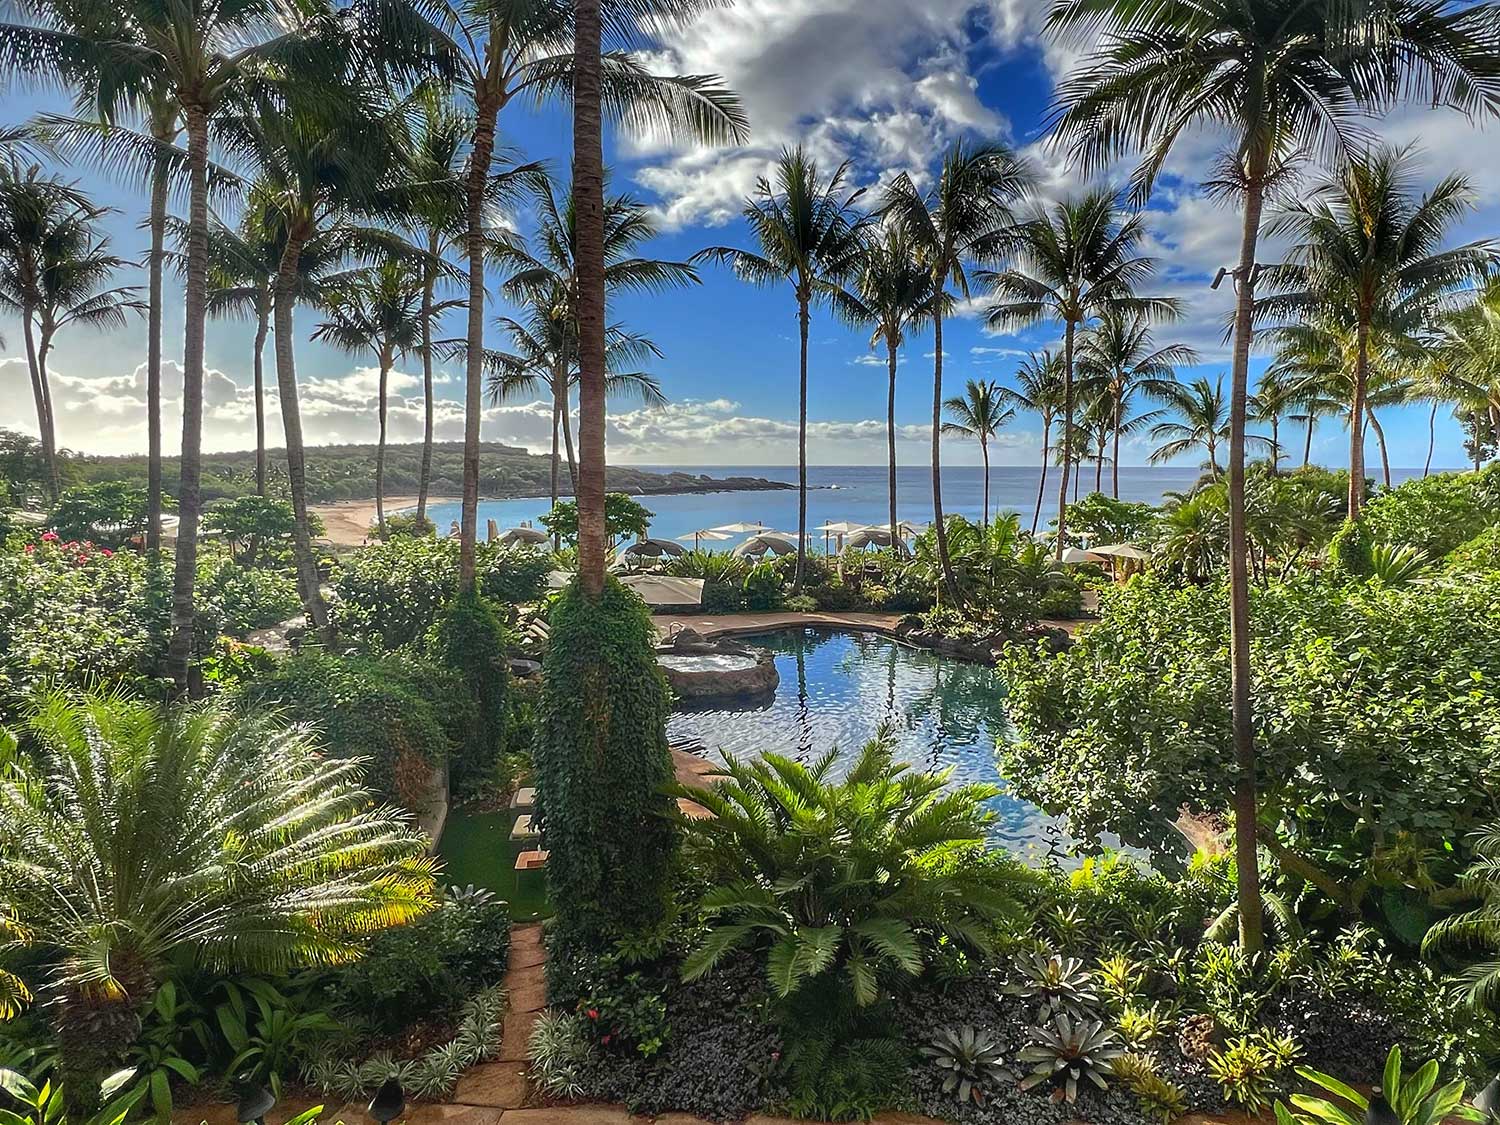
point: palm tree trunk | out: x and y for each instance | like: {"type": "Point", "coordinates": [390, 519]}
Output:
{"type": "Point", "coordinates": [429, 284]}
{"type": "Point", "coordinates": [1246, 809]}
{"type": "Point", "coordinates": [984, 455]}
{"type": "Point", "coordinates": [154, 298]}
{"type": "Point", "coordinates": [195, 318]}
{"type": "Point", "coordinates": [481, 152]}
{"type": "Point", "coordinates": [1312, 421]}
{"type": "Point", "coordinates": [802, 327]}
{"type": "Point", "coordinates": [39, 392]}
{"type": "Point", "coordinates": [890, 434]}
{"type": "Point", "coordinates": [1041, 488]}
{"type": "Point", "coordinates": [1114, 472]}
{"type": "Point", "coordinates": [1099, 466]}
{"type": "Point", "coordinates": [1356, 418]}
{"type": "Point", "coordinates": [385, 374]}
{"type": "Point", "coordinates": [1275, 443]}
{"type": "Point", "coordinates": [262, 326]}
{"type": "Point", "coordinates": [559, 393]}
{"type": "Point", "coordinates": [588, 206]}
{"type": "Point", "coordinates": [567, 431]}
{"type": "Point", "coordinates": [1385, 460]}
{"type": "Point", "coordinates": [940, 529]}
{"type": "Point", "coordinates": [291, 420]}
{"type": "Point", "coordinates": [1478, 439]}
{"type": "Point", "coordinates": [1431, 438]}
{"type": "Point", "coordinates": [1067, 440]}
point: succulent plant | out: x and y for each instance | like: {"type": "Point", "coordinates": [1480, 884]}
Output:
{"type": "Point", "coordinates": [1161, 1099]}
{"type": "Point", "coordinates": [1069, 1051]}
{"type": "Point", "coordinates": [970, 1061]}
{"type": "Point", "coordinates": [1139, 1025]}
{"type": "Point", "coordinates": [1057, 984]}
{"type": "Point", "coordinates": [1246, 1071]}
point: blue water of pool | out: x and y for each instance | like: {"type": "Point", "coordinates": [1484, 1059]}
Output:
{"type": "Point", "coordinates": [838, 688]}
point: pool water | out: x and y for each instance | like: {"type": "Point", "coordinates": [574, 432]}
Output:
{"type": "Point", "coordinates": [838, 687]}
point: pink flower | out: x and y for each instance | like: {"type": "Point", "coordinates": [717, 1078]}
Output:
{"type": "Point", "coordinates": [605, 1040]}
{"type": "Point", "coordinates": [106, 552]}
{"type": "Point", "coordinates": [30, 547]}
{"type": "Point", "coordinates": [592, 1013]}
{"type": "Point", "coordinates": [49, 537]}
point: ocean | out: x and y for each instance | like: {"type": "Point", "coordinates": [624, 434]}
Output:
{"type": "Point", "coordinates": [844, 493]}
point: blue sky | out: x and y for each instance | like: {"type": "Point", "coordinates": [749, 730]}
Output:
{"type": "Point", "coordinates": [887, 84]}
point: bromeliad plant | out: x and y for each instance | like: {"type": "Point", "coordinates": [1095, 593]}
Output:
{"type": "Point", "coordinates": [1057, 985]}
{"type": "Point", "coordinates": [1414, 1100]}
{"type": "Point", "coordinates": [1068, 1052]}
{"type": "Point", "coordinates": [970, 1061]}
{"type": "Point", "coordinates": [847, 880]}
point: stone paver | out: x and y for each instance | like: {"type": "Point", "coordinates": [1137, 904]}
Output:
{"type": "Point", "coordinates": [515, 1039]}
{"type": "Point", "coordinates": [590, 1114]}
{"type": "Point", "coordinates": [526, 988]}
{"type": "Point", "coordinates": [502, 1085]}
{"type": "Point", "coordinates": [727, 624]}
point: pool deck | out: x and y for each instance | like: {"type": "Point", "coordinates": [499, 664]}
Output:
{"type": "Point", "coordinates": [730, 624]}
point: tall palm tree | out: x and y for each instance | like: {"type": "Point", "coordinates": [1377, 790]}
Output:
{"type": "Point", "coordinates": [1120, 355]}
{"type": "Point", "coordinates": [112, 881]}
{"type": "Point", "coordinates": [1039, 390]}
{"type": "Point", "coordinates": [1276, 395]}
{"type": "Point", "coordinates": [979, 413]}
{"type": "Point", "coordinates": [1202, 423]}
{"type": "Point", "coordinates": [36, 211]}
{"type": "Point", "coordinates": [381, 310]}
{"type": "Point", "coordinates": [1468, 346]}
{"type": "Point", "coordinates": [1369, 250]}
{"type": "Point", "coordinates": [1075, 261]}
{"type": "Point", "coordinates": [964, 219]}
{"type": "Point", "coordinates": [890, 294]}
{"type": "Point", "coordinates": [1281, 76]}
{"type": "Point", "coordinates": [546, 272]}
{"type": "Point", "coordinates": [810, 237]}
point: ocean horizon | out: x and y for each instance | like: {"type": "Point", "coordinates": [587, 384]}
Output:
{"type": "Point", "coordinates": [855, 494]}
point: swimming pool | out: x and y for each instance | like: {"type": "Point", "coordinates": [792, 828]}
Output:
{"type": "Point", "coordinates": [838, 687]}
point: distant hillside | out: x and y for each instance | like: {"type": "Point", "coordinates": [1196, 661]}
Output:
{"type": "Point", "coordinates": [347, 472]}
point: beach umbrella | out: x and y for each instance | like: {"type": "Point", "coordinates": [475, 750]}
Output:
{"type": "Point", "coordinates": [874, 536]}
{"type": "Point", "coordinates": [653, 549]}
{"type": "Point", "coordinates": [516, 536]}
{"type": "Point", "coordinates": [1121, 551]}
{"type": "Point", "coordinates": [769, 542]}
{"type": "Point", "coordinates": [697, 537]}
{"type": "Point", "coordinates": [839, 528]}
{"type": "Point", "coordinates": [662, 589]}
{"type": "Point", "coordinates": [741, 528]}
{"type": "Point", "coordinates": [1078, 555]}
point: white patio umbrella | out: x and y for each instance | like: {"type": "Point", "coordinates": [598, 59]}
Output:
{"type": "Point", "coordinates": [740, 528]}
{"type": "Point", "coordinates": [697, 537]}
{"type": "Point", "coordinates": [661, 589]}
{"type": "Point", "coordinates": [1121, 551]}
{"type": "Point", "coordinates": [1078, 555]}
{"type": "Point", "coordinates": [838, 528]}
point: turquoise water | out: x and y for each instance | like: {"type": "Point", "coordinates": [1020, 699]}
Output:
{"type": "Point", "coordinates": [837, 688]}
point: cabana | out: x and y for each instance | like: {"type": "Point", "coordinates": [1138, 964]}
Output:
{"type": "Point", "coordinates": [770, 542]}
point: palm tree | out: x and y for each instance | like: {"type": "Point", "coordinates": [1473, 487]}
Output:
{"type": "Point", "coordinates": [1277, 394]}
{"type": "Point", "coordinates": [1120, 355]}
{"type": "Point", "coordinates": [1075, 261]}
{"type": "Point", "coordinates": [1281, 76]}
{"type": "Point", "coordinates": [810, 237]}
{"type": "Point", "coordinates": [1203, 424]}
{"type": "Point", "coordinates": [965, 219]}
{"type": "Point", "coordinates": [1468, 346]}
{"type": "Point", "coordinates": [379, 309]}
{"type": "Point", "coordinates": [113, 881]}
{"type": "Point", "coordinates": [980, 413]}
{"type": "Point", "coordinates": [1040, 391]}
{"type": "Point", "coordinates": [1368, 250]}
{"type": "Point", "coordinates": [549, 274]}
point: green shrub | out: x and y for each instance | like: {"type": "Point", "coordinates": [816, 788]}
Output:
{"type": "Point", "coordinates": [109, 514]}
{"type": "Point", "coordinates": [1477, 555]}
{"type": "Point", "coordinates": [721, 597]}
{"type": "Point", "coordinates": [601, 762]}
{"type": "Point", "coordinates": [800, 603]}
{"type": "Point", "coordinates": [238, 600]}
{"type": "Point", "coordinates": [251, 524]}
{"type": "Point", "coordinates": [405, 716]}
{"type": "Point", "coordinates": [406, 523]}
{"type": "Point", "coordinates": [836, 597]}
{"type": "Point", "coordinates": [470, 640]}
{"type": "Point", "coordinates": [429, 966]}
{"type": "Point", "coordinates": [762, 588]}
{"type": "Point", "coordinates": [1064, 602]}
{"type": "Point", "coordinates": [624, 518]}
{"type": "Point", "coordinates": [1351, 550]}
{"type": "Point", "coordinates": [721, 567]}
{"type": "Point", "coordinates": [1435, 514]}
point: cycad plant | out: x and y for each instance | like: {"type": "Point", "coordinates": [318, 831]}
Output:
{"type": "Point", "coordinates": [131, 836]}
{"type": "Point", "coordinates": [979, 413]}
{"type": "Point", "coordinates": [1474, 934]}
{"type": "Point", "coordinates": [843, 883]}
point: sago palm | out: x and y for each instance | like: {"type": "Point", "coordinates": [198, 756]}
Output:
{"type": "Point", "coordinates": [131, 836]}
{"type": "Point", "coordinates": [1369, 250]}
{"type": "Point", "coordinates": [808, 234]}
{"type": "Point", "coordinates": [1039, 391]}
{"type": "Point", "coordinates": [1120, 355]}
{"type": "Point", "coordinates": [1282, 77]}
{"type": "Point", "coordinates": [964, 220]}
{"type": "Point", "coordinates": [838, 876]}
{"type": "Point", "coordinates": [980, 413]}
{"type": "Point", "coordinates": [1075, 261]}
{"type": "Point", "coordinates": [889, 295]}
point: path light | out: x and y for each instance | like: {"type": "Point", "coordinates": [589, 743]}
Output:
{"type": "Point", "coordinates": [1380, 1111]}
{"type": "Point", "coordinates": [255, 1103]}
{"type": "Point", "coordinates": [389, 1101]}
{"type": "Point", "coordinates": [1488, 1101]}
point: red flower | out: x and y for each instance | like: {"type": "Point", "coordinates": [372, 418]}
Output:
{"type": "Point", "coordinates": [592, 1013]}
{"type": "Point", "coordinates": [106, 552]}
{"type": "Point", "coordinates": [606, 1039]}
{"type": "Point", "coordinates": [30, 547]}
{"type": "Point", "coordinates": [49, 537]}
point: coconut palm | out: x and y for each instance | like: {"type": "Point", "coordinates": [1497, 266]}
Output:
{"type": "Point", "coordinates": [1276, 395]}
{"type": "Point", "coordinates": [1368, 250]}
{"type": "Point", "coordinates": [1468, 345]}
{"type": "Point", "coordinates": [809, 236]}
{"type": "Point", "coordinates": [1039, 390]}
{"type": "Point", "coordinates": [890, 295]}
{"type": "Point", "coordinates": [546, 271]}
{"type": "Point", "coordinates": [381, 310]}
{"type": "Point", "coordinates": [131, 837]}
{"type": "Point", "coordinates": [980, 413]}
{"type": "Point", "coordinates": [964, 219]}
{"type": "Point", "coordinates": [1202, 424]}
{"type": "Point", "coordinates": [1120, 355]}
{"type": "Point", "coordinates": [1075, 261]}
{"type": "Point", "coordinates": [1283, 76]}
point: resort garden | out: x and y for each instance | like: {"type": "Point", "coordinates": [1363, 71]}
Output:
{"type": "Point", "coordinates": [1260, 719]}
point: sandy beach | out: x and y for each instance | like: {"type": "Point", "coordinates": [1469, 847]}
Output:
{"type": "Point", "coordinates": [348, 522]}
